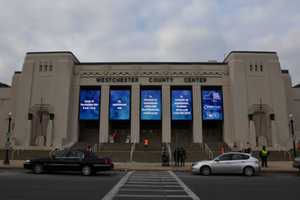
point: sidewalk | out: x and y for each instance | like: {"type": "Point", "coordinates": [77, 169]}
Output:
{"type": "Point", "coordinates": [274, 166]}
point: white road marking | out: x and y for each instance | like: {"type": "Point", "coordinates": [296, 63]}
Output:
{"type": "Point", "coordinates": [186, 189]}
{"type": "Point", "coordinates": [153, 196]}
{"type": "Point", "coordinates": [144, 185]}
{"type": "Point", "coordinates": [112, 193]}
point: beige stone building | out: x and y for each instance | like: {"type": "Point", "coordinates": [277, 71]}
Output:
{"type": "Point", "coordinates": [58, 101]}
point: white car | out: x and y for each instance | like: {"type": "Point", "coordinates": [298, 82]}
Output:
{"type": "Point", "coordinates": [296, 163]}
{"type": "Point", "coordinates": [231, 162]}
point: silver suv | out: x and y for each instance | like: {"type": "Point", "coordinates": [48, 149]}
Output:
{"type": "Point", "coordinates": [232, 162]}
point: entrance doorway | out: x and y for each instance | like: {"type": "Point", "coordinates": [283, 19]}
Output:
{"type": "Point", "coordinates": [182, 133]}
{"type": "Point", "coordinates": [212, 131]}
{"type": "Point", "coordinates": [151, 130]}
{"type": "Point", "coordinates": [89, 131]}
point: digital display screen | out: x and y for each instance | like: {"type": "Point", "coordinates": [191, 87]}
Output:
{"type": "Point", "coordinates": [119, 105]}
{"type": "Point", "coordinates": [181, 105]}
{"type": "Point", "coordinates": [89, 104]}
{"type": "Point", "coordinates": [150, 105]}
{"type": "Point", "coordinates": [212, 104]}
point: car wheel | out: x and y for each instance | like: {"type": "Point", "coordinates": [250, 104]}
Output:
{"type": "Point", "coordinates": [38, 168]}
{"type": "Point", "coordinates": [248, 171]}
{"type": "Point", "coordinates": [205, 171]}
{"type": "Point", "coordinates": [86, 170]}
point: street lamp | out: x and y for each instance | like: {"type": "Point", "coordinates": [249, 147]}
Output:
{"type": "Point", "coordinates": [7, 143]}
{"type": "Point", "coordinates": [293, 133]}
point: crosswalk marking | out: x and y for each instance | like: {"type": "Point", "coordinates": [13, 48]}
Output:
{"type": "Point", "coordinates": [150, 185]}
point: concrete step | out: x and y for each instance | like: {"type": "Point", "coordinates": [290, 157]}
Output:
{"type": "Point", "coordinates": [115, 147]}
{"type": "Point", "coordinates": [116, 156]}
{"type": "Point", "coordinates": [147, 156]}
{"type": "Point", "coordinates": [150, 147]}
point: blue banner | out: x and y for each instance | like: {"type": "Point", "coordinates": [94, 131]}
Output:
{"type": "Point", "coordinates": [182, 105]}
{"type": "Point", "coordinates": [212, 104]}
{"type": "Point", "coordinates": [89, 104]}
{"type": "Point", "coordinates": [150, 105]}
{"type": "Point", "coordinates": [119, 105]}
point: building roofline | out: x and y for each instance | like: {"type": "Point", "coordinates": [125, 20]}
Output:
{"type": "Point", "coordinates": [152, 63]}
{"type": "Point", "coordinates": [254, 52]}
{"type": "Point", "coordinates": [55, 52]}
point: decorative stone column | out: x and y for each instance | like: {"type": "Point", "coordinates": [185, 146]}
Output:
{"type": "Point", "coordinates": [135, 114]}
{"type": "Point", "coordinates": [274, 134]}
{"type": "Point", "coordinates": [252, 134]}
{"type": "Point", "coordinates": [104, 110]}
{"type": "Point", "coordinates": [197, 115]}
{"type": "Point", "coordinates": [49, 131]}
{"type": "Point", "coordinates": [29, 131]}
{"type": "Point", "coordinates": [166, 113]}
{"type": "Point", "coordinates": [228, 131]}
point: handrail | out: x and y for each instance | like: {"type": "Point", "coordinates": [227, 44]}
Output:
{"type": "Point", "coordinates": [208, 151]}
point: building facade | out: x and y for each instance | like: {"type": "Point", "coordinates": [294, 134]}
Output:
{"type": "Point", "coordinates": [58, 101]}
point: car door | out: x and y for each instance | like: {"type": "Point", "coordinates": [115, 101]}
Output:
{"type": "Point", "coordinates": [239, 161]}
{"type": "Point", "coordinates": [222, 164]}
{"type": "Point", "coordinates": [56, 163]}
{"type": "Point", "coordinates": [73, 160]}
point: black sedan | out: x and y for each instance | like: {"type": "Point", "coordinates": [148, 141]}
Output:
{"type": "Point", "coordinates": [70, 160]}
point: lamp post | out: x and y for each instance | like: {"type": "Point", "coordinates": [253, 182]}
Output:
{"type": "Point", "coordinates": [293, 134]}
{"type": "Point", "coordinates": [7, 144]}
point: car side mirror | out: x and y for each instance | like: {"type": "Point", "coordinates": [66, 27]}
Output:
{"type": "Point", "coordinates": [217, 159]}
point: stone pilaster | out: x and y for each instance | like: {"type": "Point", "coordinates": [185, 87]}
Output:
{"type": "Point", "coordinates": [166, 113]}
{"type": "Point", "coordinates": [197, 115]}
{"type": "Point", "coordinates": [104, 110]}
{"type": "Point", "coordinates": [135, 114]}
{"type": "Point", "coordinates": [49, 134]}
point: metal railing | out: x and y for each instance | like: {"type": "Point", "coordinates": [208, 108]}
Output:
{"type": "Point", "coordinates": [132, 151]}
{"type": "Point", "coordinates": [208, 151]}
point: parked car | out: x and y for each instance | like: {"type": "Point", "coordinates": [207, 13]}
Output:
{"type": "Point", "coordinates": [86, 162]}
{"type": "Point", "coordinates": [296, 163]}
{"type": "Point", "coordinates": [232, 162]}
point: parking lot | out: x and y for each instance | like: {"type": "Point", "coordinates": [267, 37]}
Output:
{"type": "Point", "coordinates": [20, 184]}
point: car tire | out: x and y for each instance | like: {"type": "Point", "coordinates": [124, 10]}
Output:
{"type": "Point", "coordinates": [86, 170]}
{"type": "Point", "coordinates": [38, 169]}
{"type": "Point", "coordinates": [205, 171]}
{"type": "Point", "coordinates": [248, 171]}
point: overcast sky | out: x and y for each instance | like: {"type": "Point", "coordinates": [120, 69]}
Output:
{"type": "Point", "coordinates": [148, 30]}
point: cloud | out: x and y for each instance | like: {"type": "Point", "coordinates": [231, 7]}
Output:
{"type": "Point", "coordinates": [140, 30]}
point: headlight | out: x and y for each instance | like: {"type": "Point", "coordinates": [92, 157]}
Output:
{"type": "Point", "coordinates": [27, 161]}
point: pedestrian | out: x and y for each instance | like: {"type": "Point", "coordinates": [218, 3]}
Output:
{"type": "Point", "coordinates": [222, 150]}
{"type": "Point", "coordinates": [88, 148]}
{"type": "Point", "coordinates": [182, 156]}
{"type": "Point", "coordinates": [176, 156]}
{"type": "Point", "coordinates": [263, 154]}
{"type": "Point", "coordinates": [146, 143]}
{"type": "Point", "coordinates": [248, 148]}
{"type": "Point", "coordinates": [235, 147]}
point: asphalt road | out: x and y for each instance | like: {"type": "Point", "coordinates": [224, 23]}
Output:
{"type": "Point", "coordinates": [234, 187]}
{"type": "Point", "coordinates": [23, 185]}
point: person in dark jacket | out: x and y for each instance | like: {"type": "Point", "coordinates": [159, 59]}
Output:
{"type": "Point", "coordinates": [182, 156]}
{"type": "Point", "coordinates": [263, 154]}
{"type": "Point", "coordinates": [176, 156]}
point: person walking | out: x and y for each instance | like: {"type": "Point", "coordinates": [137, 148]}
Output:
{"type": "Point", "coordinates": [263, 154]}
{"type": "Point", "coordinates": [182, 156]}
